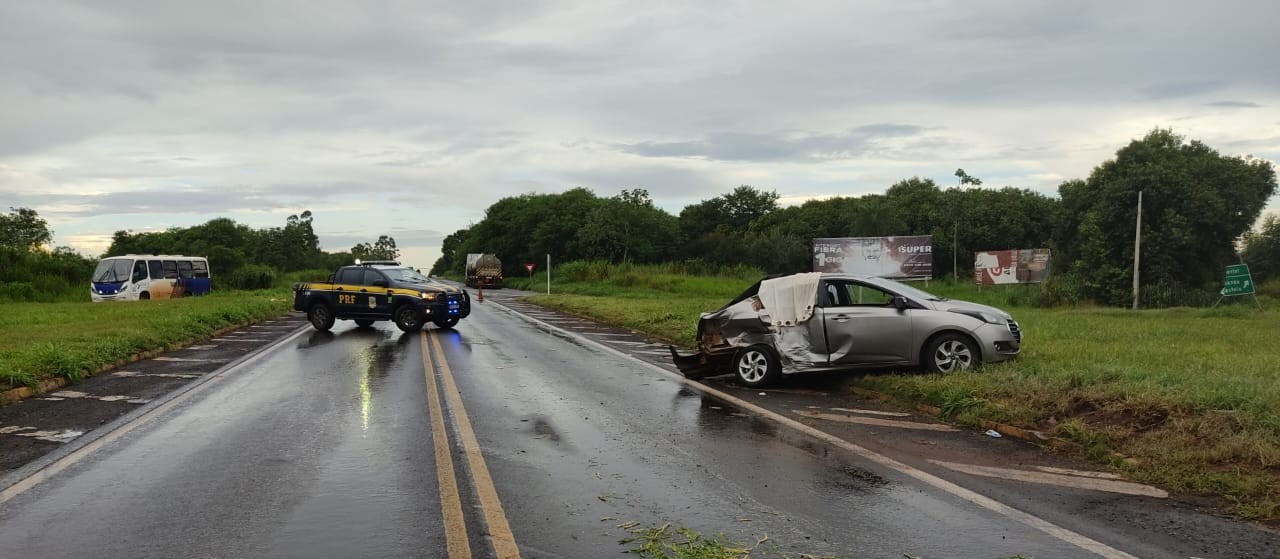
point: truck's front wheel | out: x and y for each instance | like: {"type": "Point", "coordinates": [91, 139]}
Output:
{"type": "Point", "coordinates": [321, 316]}
{"type": "Point", "coordinates": [408, 318]}
{"type": "Point", "coordinates": [446, 323]}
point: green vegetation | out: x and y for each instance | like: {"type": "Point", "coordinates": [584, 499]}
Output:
{"type": "Point", "coordinates": [45, 340]}
{"type": "Point", "coordinates": [1197, 203]}
{"type": "Point", "coordinates": [681, 543]}
{"type": "Point", "coordinates": [666, 542]}
{"type": "Point", "coordinates": [1191, 397]}
{"type": "Point", "coordinates": [240, 257]}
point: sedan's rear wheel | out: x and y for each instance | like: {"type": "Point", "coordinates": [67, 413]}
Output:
{"type": "Point", "coordinates": [757, 366]}
{"type": "Point", "coordinates": [952, 353]}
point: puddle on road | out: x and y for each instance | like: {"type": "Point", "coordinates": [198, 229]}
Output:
{"type": "Point", "coordinates": [542, 429]}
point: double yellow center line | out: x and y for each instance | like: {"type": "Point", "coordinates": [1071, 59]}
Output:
{"type": "Point", "coordinates": [458, 545]}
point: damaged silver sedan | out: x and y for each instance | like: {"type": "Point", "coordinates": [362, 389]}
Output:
{"type": "Point", "coordinates": [821, 322]}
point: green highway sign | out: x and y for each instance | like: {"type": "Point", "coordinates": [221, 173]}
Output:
{"type": "Point", "coordinates": [1238, 281]}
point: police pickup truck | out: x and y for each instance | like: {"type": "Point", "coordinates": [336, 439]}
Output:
{"type": "Point", "coordinates": [369, 292]}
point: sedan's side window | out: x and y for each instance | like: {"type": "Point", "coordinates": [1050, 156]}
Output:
{"type": "Point", "coordinates": [859, 295]}
{"type": "Point", "coordinates": [834, 294]}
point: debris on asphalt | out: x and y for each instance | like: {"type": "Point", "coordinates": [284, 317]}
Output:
{"type": "Point", "coordinates": [993, 434]}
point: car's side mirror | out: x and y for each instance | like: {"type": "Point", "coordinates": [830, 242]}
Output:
{"type": "Point", "coordinates": [380, 283]}
{"type": "Point", "coordinates": [899, 303]}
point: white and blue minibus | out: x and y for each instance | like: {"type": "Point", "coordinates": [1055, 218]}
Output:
{"type": "Point", "coordinates": [134, 277]}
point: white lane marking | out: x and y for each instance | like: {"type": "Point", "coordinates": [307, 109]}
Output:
{"type": "Point", "coordinates": [128, 374]}
{"type": "Point", "coordinates": [243, 340]}
{"type": "Point", "coordinates": [626, 342]}
{"type": "Point", "coordinates": [69, 394]}
{"type": "Point", "coordinates": [872, 412]}
{"type": "Point", "coordinates": [53, 436]}
{"type": "Point", "coordinates": [73, 395]}
{"type": "Point", "coordinates": [876, 421]}
{"type": "Point", "coordinates": [14, 429]}
{"type": "Point", "coordinates": [188, 360]}
{"type": "Point", "coordinates": [70, 459]}
{"type": "Point", "coordinates": [1080, 473]}
{"type": "Point", "coordinates": [1068, 536]}
{"type": "Point", "coordinates": [202, 347]}
{"type": "Point", "coordinates": [1078, 482]}
{"type": "Point", "coordinates": [616, 335]}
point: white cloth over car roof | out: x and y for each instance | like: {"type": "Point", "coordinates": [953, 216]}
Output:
{"type": "Point", "coordinates": [790, 299]}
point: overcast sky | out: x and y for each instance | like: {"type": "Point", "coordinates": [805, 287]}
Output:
{"type": "Point", "coordinates": [410, 118]}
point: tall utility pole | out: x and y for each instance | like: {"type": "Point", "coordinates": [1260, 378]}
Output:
{"type": "Point", "coordinates": [1137, 251]}
{"type": "Point", "coordinates": [548, 273]}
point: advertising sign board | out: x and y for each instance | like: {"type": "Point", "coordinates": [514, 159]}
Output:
{"type": "Point", "coordinates": [886, 257]}
{"type": "Point", "coordinates": [998, 267]}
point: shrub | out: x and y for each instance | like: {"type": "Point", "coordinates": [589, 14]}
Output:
{"type": "Point", "coordinates": [1063, 290]}
{"type": "Point", "coordinates": [253, 276]}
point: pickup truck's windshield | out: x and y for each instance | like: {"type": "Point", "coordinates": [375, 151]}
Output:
{"type": "Point", "coordinates": [405, 275]}
{"type": "Point", "coordinates": [112, 270]}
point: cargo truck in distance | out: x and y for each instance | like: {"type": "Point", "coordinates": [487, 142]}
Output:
{"type": "Point", "coordinates": [483, 270]}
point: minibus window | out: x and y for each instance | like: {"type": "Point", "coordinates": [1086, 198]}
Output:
{"type": "Point", "coordinates": [200, 268]}
{"type": "Point", "coordinates": [157, 269]}
{"type": "Point", "coordinates": [184, 269]}
{"type": "Point", "coordinates": [170, 269]}
{"type": "Point", "coordinates": [139, 270]}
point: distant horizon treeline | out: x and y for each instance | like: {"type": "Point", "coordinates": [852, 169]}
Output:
{"type": "Point", "coordinates": [1196, 204]}
{"type": "Point", "coordinates": [240, 256]}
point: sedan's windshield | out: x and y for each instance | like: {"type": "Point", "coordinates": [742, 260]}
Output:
{"type": "Point", "coordinates": [112, 270]}
{"type": "Point", "coordinates": [904, 289]}
{"type": "Point", "coordinates": [407, 275]}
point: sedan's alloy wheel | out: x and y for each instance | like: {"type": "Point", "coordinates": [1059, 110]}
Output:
{"type": "Point", "coordinates": [952, 356]}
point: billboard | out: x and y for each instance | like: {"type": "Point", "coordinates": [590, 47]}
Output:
{"type": "Point", "coordinates": [886, 257]}
{"type": "Point", "coordinates": [997, 267]}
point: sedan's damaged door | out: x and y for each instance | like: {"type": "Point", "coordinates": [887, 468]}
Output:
{"type": "Point", "coordinates": [863, 326]}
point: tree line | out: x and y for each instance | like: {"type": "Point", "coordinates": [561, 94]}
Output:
{"type": "Point", "coordinates": [240, 256]}
{"type": "Point", "coordinates": [1198, 205]}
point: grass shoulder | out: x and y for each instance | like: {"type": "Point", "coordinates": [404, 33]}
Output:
{"type": "Point", "coordinates": [70, 339]}
{"type": "Point", "coordinates": [1187, 399]}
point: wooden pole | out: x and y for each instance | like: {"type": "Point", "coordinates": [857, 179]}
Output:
{"type": "Point", "coordinates": [1137, 250]}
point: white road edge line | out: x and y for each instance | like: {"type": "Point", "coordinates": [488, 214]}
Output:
{"type": "Point", "coordinates": [1068, 536]}
{"type": "Point", "coordinates": [1060, 480]}
{"type": "Point", "coordinates": [895, 423]}
{"type": "Point", "coordinates": [79, 454]}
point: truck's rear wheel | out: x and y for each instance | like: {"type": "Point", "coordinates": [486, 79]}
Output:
{"type": "Point", "coordinates": [446, 323]}
{"type": "Point", "coordinates": [408, 318]}
{"type": "Point", "coordinates": [321, 316]}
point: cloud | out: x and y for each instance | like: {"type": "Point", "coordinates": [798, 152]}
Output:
{"type": "Point", "coordinates": [187, 199]}
{"type": "Point", "coordinates": [1234, 104]}
{"type": "Point", "coordinates": [778, 146]}
{"type": "Point", "coordinates": [403, 113]}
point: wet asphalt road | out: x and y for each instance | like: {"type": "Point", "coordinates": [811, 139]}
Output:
{"type": "Point", "coordinates": [325, 447]}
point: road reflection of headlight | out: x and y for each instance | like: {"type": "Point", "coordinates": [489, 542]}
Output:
{"type": "Point", "coordinates": [366, 395]}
